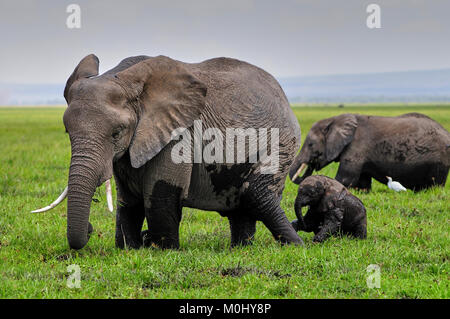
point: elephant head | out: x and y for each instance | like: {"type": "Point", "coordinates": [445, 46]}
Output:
{"type": "Point", "coordinates": [309, 193]}
{"type": "Point", "coordinates": [131, 110]}
{"type": "Point", "coordinates": [324, 144]}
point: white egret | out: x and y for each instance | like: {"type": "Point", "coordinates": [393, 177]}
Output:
{"type": "Point", "coordinates": [396, 186]}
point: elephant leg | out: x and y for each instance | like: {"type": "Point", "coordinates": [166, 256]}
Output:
{"type": "Point", "coordinates": [360, 231]}
{"type": "Point", "coordinates": [129, 222]}
{"type": "Point", "coordinates": [309, 222]}
{"type": "Point", "coordinates": [325, 232]}
{"type": "Point", "coordinates": [297, 225]}
{"type": "Point", "coordinates": [164, 224]}
{"type": "Point", "coordinates": [242, 227]}
{"type": "Point", "coordinates": [440, 177]}
{"type": "Point", "coordinates": [280, 227]}
{"type": "Point", "coordinates": [164, 216]}
{"type": "Point", "coordinates": [262, 202]}
{"type": "Point", "coordinates": [365, 182]}
{"type": "Point", "coordinates": [348, 176]}
{"type": "Point", "coordinates": [331, 225]}
{"type": "Point", "coordinates": [436, 176]}
{"type": "Point", "coordinates": [267, 207]}
{"type": "Point", "coordinates": [301, 225]}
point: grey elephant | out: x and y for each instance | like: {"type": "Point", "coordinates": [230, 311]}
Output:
{"type": "Point", "coordinates": [412, 148]}
{"type": "Point", "coordinates": [124, 121]}
{"type": "Point", "coordinates": [332, 209]}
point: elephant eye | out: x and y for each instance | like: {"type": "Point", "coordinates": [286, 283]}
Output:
{"type": "Point", "coordinates": [117, 132]}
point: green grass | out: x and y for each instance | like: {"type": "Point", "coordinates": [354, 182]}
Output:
{"type": "Point", "coordinates": [407, 234]}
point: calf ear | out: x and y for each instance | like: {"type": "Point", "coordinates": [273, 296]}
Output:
{"type": "Point", "coordinates": [339, 134]}
{"type": "Point", "coordinates": [169, 97]}
{"type": "Point", "coordinates": [87, 67]}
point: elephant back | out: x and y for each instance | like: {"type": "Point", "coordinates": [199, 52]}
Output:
{"type": "Point", "coordinates": [243, 95]}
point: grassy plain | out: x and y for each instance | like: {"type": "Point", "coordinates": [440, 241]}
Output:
{"type": "Point", "coordinates": [408, 234]}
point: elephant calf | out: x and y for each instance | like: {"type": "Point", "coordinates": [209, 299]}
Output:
{"type": "Point", "coordinates": [332, 209]}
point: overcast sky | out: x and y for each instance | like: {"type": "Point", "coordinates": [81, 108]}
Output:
{"type": "Point", "coordinates": [286, 38]}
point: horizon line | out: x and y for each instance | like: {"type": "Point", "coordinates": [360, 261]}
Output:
{"type": "Point", "coordinates": [277, 77]}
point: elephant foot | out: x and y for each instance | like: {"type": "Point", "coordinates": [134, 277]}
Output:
{"type": "Point", "coordinates": [242, 242]}
{"type": "Point", "coordinates": [90, 229]}
{"type": "Point", "coordinates": [319, 239]}
{"type": "Point", "coordinates": [123, 241]}
{"type": "Point", "coordinates": [242, 228]}
{"type": "Point", "coordinates": [359, 233]}
{"type": "Point", "coordinates": [129, 220]}
{"type": "Point", "coordinates": [296, 225]}
{"type": "Point", "coordinates": [159, 241]}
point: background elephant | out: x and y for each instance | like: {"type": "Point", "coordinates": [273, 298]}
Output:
{"type": "Point", "coordinates": [332, 209]}
{"type": "Point", "coordinates": [121, 123]}
{"type": "Point", "coordinates": [412, 148]}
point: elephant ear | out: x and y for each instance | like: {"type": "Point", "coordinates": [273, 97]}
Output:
{"type": "Point", "coordinates": [339, 133]}
{"type": "Point", "coordinates": [87, 67]}
{"type": "Point", "coordinates": [169, 97]}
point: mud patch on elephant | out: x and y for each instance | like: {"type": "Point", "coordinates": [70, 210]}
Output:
{"type": "Point", "coordinates": [384, 148]}
{"type": "Point", "coordinates": [402, 150]}
{"type": "Point", "coordinates": [226, 177]}
{"type": "Point", "coordinates": [421, 149]}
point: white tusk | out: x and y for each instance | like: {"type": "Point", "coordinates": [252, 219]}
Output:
{"type": "Point", "coordinates": [54, 204]}
{"type": "Point", "coordinates": [299, 171]}
{"type": "Point", "coordinates": [109, 198]}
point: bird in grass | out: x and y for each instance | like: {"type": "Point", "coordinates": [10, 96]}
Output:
{"type": "Point", "coordinates": [396, 186]}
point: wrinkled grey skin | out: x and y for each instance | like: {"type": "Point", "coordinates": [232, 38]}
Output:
{"type": "Point", "coordinates": [332, 209]}
{"type": "Point", "coordinates": [121, 123]}
{"type": "Point", "coordinates": [412, 148]}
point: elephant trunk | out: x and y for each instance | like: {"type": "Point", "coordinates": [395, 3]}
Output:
{"type": "Point", "coordinates": [300, 225]}
{"type": "Point", "coordinates": [85, 175]}
{"type": "Point", "coordinates": [299, 164]}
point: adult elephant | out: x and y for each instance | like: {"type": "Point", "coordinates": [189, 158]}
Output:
{"type": "Point", "coordinates": [123, 122]}
{"type": "Point", "coordinates": [412, 148]}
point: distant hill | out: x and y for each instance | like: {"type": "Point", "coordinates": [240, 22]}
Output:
{"type": "Point", "coordinates": [31, 94]}
{"type": "Point", "coordinates": [410, 86]}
